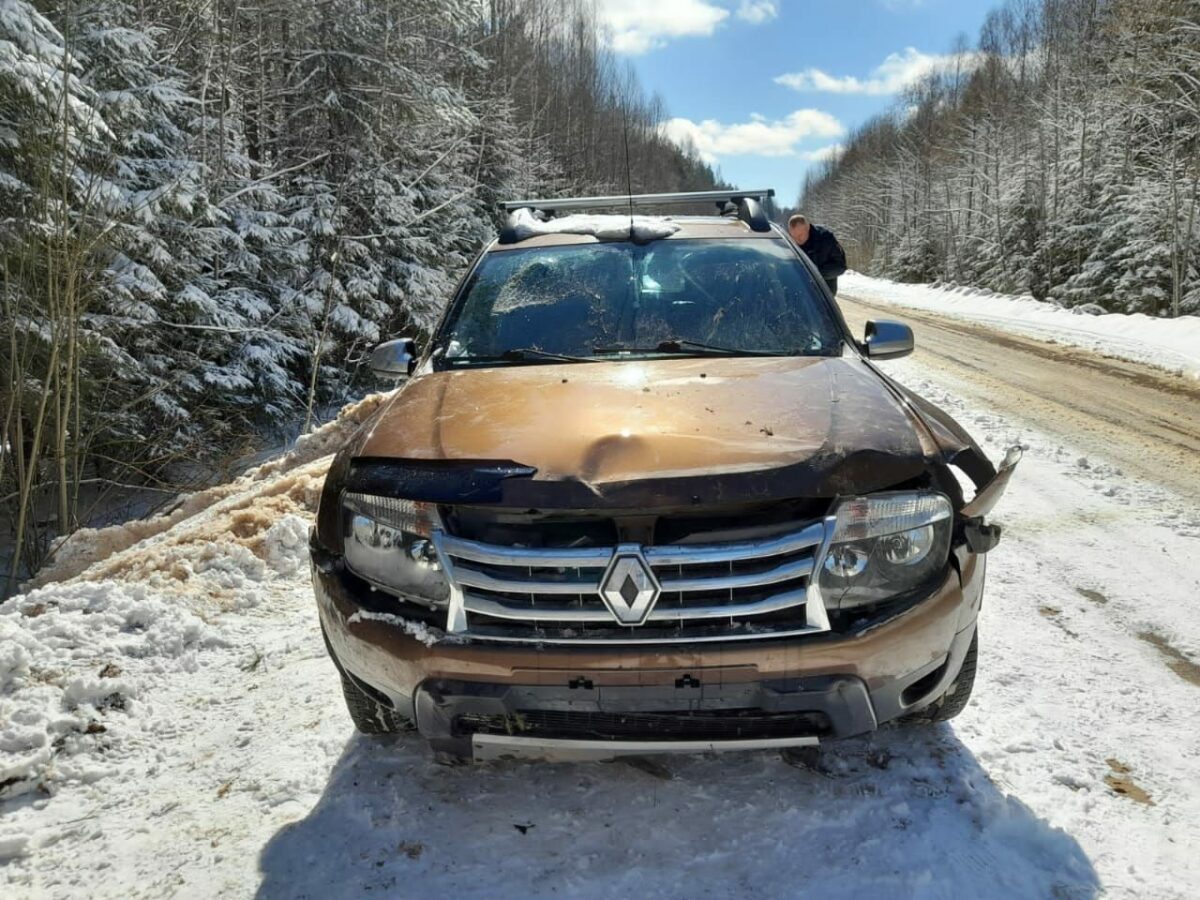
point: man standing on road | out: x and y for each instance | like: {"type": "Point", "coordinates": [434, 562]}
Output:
{"type": "Point", "coordinates": [819, 245]}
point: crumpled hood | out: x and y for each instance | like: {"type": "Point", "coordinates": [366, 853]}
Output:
{"type": "Point", "coordinates": [645, 431]}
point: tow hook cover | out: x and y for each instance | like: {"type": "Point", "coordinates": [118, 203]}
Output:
{"type": "Point", "coordinates": [980, 535]}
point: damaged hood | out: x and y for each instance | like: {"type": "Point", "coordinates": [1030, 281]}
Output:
{"type": "Point", "coordinates": [659, 431]}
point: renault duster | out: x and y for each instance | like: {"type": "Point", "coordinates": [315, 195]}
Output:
{"type": "Point", "coordinates": [643, 491]}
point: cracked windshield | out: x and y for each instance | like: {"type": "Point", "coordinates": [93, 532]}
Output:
{"type": "Point", "coordinates": [673, 296]}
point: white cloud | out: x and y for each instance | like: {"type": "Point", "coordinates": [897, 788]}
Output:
{"type": "Point", "coordinates": [758, 137]}
{"type": "Point", "coordinates": [636, 26]}
{"type": "Point", "coordinates": [758, 11]}
{"type": "Point", "coordinates": [822, 154]}
{"type": "Point", "coordinates": [894, 74]}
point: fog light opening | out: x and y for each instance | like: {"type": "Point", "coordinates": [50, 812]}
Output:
{"type": "Point", "coordinates": [921, 688]}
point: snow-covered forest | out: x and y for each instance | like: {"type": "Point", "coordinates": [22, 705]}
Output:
{"type": "Point", "coordinates": [210, 209]}
{"type": "Point", "coordinates": [1060, 157]}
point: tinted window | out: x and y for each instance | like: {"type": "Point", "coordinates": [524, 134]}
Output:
{"type": "Point", "coordinates": [748, 295]}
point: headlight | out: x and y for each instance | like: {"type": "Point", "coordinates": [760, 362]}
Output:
{"type": "Point", "coordinates": [883, 546]}
{"type": "Point", "coordinates": [387, 543]}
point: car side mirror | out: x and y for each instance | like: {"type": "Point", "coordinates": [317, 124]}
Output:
{"type": "Point", "coordinates": [395, 359]}
{"type": "Point", "coordinates": [887, 340]}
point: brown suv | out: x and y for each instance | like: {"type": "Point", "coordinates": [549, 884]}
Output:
{"type": "Point", "coordinates": [644, 492]}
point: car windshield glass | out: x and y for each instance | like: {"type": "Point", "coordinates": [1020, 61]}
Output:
{"type": "Point", "coordinates": [671, 297]}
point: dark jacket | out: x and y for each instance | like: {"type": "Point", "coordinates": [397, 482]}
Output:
{"type": "Point", "coordinates": [825, 252]}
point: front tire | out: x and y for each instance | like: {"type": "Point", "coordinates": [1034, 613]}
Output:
{"type": "Point", "coordinates": [956, 696]}
{"type": "Point", "coordinates": [368, 714]}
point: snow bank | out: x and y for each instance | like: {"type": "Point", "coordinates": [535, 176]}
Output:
{"type": "Point", "coordinates": [91, 669]}
{"type": "Point", "coordinates": [285, 545]}
{"type": "Point", "coordinates": [86, 547]}
{"type": "Point", "coordinates": [327, 439]}
{"type": "Point", "coordinates": [83, 664]}
{"type": "Point", "coordinates": [69, 709]}
{"type": "Point", "coordinates": [236, 543]}
{"type": "Point", "coordinates": [605, 228]}
{"type": "Point", "coordinates": [1171, 344]}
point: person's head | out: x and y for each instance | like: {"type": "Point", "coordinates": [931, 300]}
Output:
{"type": "Point", "coordinates": [798, 228]}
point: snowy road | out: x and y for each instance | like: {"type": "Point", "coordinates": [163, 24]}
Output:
{"type": "Point", "coordinates": [1143, 419]}
{"type": "Point", "coordinates": [196, 743]}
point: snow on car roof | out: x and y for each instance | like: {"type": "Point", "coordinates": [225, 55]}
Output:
{"type": "Point", "coordinates": [603, 227]}
{"type": "Point", "coordinates": [587, 229]}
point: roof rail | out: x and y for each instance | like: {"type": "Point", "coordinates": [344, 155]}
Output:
{"type": "Point", "coordinates": [624, 201]}
{"type": "Point", "coordinates": [751, 212]}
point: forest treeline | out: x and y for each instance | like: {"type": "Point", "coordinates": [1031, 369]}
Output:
{"type": "Point", "coordinates": [1059, 157]}
{"type": "Point", "coordinates": [210, 210]}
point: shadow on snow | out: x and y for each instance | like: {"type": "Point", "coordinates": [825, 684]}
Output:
{"type": "Point", "coordinates": [902, 813]}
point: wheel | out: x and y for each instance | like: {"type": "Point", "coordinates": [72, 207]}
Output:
{"type": "Point", "coordinates": [368, 714]}
{"type": "Point", "coordinates": [954, 700]}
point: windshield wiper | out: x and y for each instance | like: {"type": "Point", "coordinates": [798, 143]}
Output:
{"type": "Point", "coordinates": [680, 345]}
{"type": "Point", "coordinates": [517, 354]}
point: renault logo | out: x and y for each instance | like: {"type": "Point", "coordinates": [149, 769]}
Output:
{"type": "Point", "coordinates": [629, 587]}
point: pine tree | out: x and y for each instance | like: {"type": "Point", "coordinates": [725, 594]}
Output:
{"type": "Point", "coordinates": [210, 212]}
{"type": "Point", "coordinates": [1065, 163]}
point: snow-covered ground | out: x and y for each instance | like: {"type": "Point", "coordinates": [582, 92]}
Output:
{"type": "Point", "coordinates": [170, 726]}
{"type": "Point", "coordinates": [1171, 344]}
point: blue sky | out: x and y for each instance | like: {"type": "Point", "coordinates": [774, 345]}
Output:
{"type": "Point", "coordinates": [765, 87]}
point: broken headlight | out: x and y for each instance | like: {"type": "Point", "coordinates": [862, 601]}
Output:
{"type": "Point", "coordinates": [387, 542]}
{"type": "Point", "coordinates": [884, 546]}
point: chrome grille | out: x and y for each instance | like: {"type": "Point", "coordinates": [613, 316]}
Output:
{"type": "Point", "coordinates": [706, 592]}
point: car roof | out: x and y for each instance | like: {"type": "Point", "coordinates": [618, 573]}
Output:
{"type": "Point", "coordinates": [689, 227]}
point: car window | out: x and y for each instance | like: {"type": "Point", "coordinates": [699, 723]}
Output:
{"type": "Point", "coordinates": [581, 299]}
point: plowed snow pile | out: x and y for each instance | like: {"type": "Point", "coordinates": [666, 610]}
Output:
{"type": "Point", "coordinates": [171, 726]}
{"type": "Point", "coordinates": [244, 506]}
{"type": "Point", "coordinates": [150, 591]}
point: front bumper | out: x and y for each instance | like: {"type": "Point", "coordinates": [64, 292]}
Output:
{"type": "Point", "coordinates": [569, 702]}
